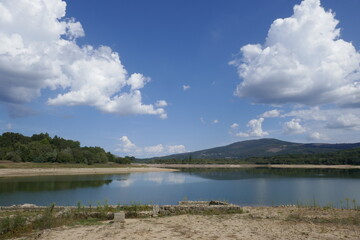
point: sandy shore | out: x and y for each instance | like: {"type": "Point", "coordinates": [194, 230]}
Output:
{"type": "Point", "coordinates": [15, 172]}
{"type": "Point", "coordinates": [256, 223]}
{"type": "Point", "coordinates": [253, 166]}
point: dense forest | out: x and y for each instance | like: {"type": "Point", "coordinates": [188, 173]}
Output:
{"type": "Point", "coordinates": [43, 148]}
{"type": "Point", "coordinates": [350, 156]}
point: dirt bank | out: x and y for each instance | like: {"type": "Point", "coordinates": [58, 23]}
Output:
{"type": "Point", "coordinates": [12, 172]}
{"type": "Point", "coordinates": [256, 223]}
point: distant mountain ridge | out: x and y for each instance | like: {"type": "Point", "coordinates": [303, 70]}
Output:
{"type": "Point", "coordinates": [260, 148]}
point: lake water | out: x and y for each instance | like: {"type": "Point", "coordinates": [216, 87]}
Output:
{"type": "Point", "coordinates": [241, 186]}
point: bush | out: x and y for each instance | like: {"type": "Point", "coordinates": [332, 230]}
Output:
{"type": "Point", "coordinates": [11, 224]}
{"type": "Point", "coordinates": [46, 220]}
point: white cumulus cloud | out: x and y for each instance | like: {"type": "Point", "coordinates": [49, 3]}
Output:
{"type": "Point", "coordinates": [255, 129]}
{"type": "Point", "coordinates": [345, 121]}
{"type": "Point", "coordinates": [161, 103]}
{"type": "Point", "coordinates": [157, 149]}
{"type": "Point", "coordinates": [316, 136]}
{"type": "Point", "coordinates": [126, 146]}
{"type": "Point", "coordinates": [186, 87]}
{"type": "Point", "coordinates": [38, 50]}
{"type": "Point", "coordinates": [303, 60]}
{"type": "Point", "coordinates": [347, 118]}
{"type": "Point", "coordinates": [271, 113]}
{"type": "Point", "coordinates": [173, 149]}
{"type": "Point", "coordinates": [293, 127]}
{"type": "Point", "coordinates": [335, 124]}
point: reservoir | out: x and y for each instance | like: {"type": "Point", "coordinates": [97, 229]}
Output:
{"type": "Point", "coordinates": [250, 187]}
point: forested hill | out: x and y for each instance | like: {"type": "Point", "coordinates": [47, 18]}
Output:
{"type": "Point", "coordinates": [261, 148]}
{"type": "Point", "coordinates": [43, 148]}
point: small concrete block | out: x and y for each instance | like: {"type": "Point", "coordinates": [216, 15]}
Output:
{"type": "Point", "coordinates": [119, 217]}
{"type": "Point", "coordinates": [156, 210]}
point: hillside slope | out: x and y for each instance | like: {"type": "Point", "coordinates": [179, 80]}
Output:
{"type": "Point", "coordinates": [259, 148]}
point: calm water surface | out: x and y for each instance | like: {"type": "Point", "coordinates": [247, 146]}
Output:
{"type": "Point", "coordinates": [241, 186]}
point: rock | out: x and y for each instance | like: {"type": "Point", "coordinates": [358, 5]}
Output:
{"type": "Point", "coordinates": [109, 215]}
{"type": "Point", "coordinates": [156, 210]}
{"type": "Point", "coordinates": [119, 217]}
{"type": "Point", "coordinates": [28, 205]}
{"type": "Point", "coordinates": [217, 203]}
{"type": "Point", "coordinates": [95, 215]}
{"type": "Point", "coordinates": [63, 213]}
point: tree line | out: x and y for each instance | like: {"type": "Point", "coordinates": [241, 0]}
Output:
{"type": "Point", "coordinates": [342, 157]}
{"type": "Point", "coordinates": [43, 148]}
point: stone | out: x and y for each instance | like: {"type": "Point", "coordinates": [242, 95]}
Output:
{"type": "Point", "coordinates": [218, 203]}
{"type": "Point", "coordinates": [63, 213]}
{"type": "Point", "coordinates": [156, 210]}
{"type": "Point", "coordinates": [109, 215]}
{"type": "Point", "coordinates": [95, 215]}
{"type": "Point", "coordinates": [28, 205]}
{"type": "Point", "coordinates": [119, 217]}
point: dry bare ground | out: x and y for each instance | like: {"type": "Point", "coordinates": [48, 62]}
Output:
{"type": "Point", "coordinates": [15, 172]}
{"type": "Point", "coordinates": [256, 223]}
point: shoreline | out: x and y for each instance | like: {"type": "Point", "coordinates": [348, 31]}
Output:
{"type": "Point", "coordinates": [303, 166]}
{"type": "Point", "coordinates": [142, 168]}
{"type": "Point", "coordinates": [22, 172]}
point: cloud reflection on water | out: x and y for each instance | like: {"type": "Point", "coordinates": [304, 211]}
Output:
{"type": "Point", "coordinates": [160, 178]}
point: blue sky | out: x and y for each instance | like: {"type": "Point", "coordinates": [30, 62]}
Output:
{"type": "Point", "coordinates": [150, 78]}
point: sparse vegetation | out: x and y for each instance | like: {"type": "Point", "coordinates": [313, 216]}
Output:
{"type": "Point", "coordinates": [16, 223]}
{"type": "Point", "coordinates": [350, 204]}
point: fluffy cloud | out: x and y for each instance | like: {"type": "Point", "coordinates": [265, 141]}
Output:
{"type": "Point", "coordinates": [293, 127]}
{"type": "Point", "coordinates": [172, 149]}
{"type": "Point", "coordinates": [38, 50]}
{"type": "Point", "coordinates": [271, 113]}
{"type": "Point", "coordinates": [330, 118]}
{"type": "Point", "coordinates": [186, 87]}
{"type": "Point", "coordinates": [310, 114]}
{"type": "Point", "coordinates": [303, 60]}
{"type": "Point", "coordinates": [161, 103]}
{"type": "Point", "coordinates": [234, 126]}
{"type": "Point", "coordinates": [126, 146]}
{"type": "Point", "coordinates": [255, 129]}
{"type": "Point", "coordinates": [316, 136]}
{"type": "Point", "coordinates": [334, 124]}
{"type": "Point", "coordinates": [346, 121]}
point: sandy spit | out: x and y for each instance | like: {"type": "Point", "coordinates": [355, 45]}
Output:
{"type": "Point", "coordinates": [253, 166]}
{"type": "Point", "coordinates": [15, 172]}
{"type": "Point", "coordinates": [256, 223]}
